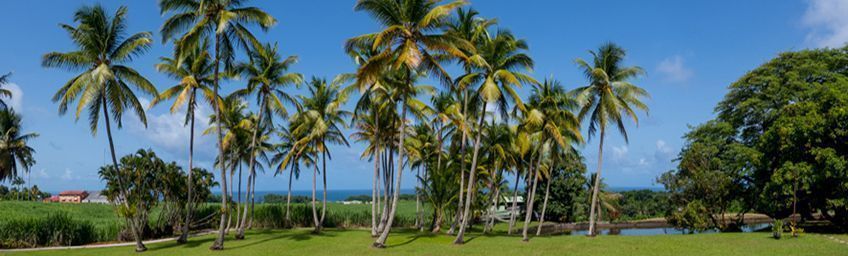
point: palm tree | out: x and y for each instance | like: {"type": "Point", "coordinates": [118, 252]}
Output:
{"type": "Point", "coordinates": [15, 154]}
{"type": "Point", "coordinates": [609, 98]}
{"type": "Point", "coordinates": [4, 79]}
{"type": "Point", "coordinates": [504, 59]}
{"type": "Point", "coordinates": [282, 150]}
{"type": "Point", "coordinates": [409, 42]}
{"type": "Point", "coordinates": [320, 122]}
{"type": "Point", "coordinates": [194, 71]}
{"type": "Point", "coordinates": [469, 27]}
{"type": "Point", "coordinates": [226, 19]}
{"type": "Point", "coordinates": [267, 75]}
{"type": "Point", "coordinates": [103, 49]}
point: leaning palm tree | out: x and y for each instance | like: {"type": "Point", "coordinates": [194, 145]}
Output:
{"type": "Point", "coordinates": [194, 73]}
{"type": "Point", "coordinates": [15, 154]}
{"type": "Point", "coordinates": [225, 20]}
{"type": "Point", "coordinates": [267, 75]}
{"type": "Point", "coordinates": [608, 99]}
{"type": "Point", "coordinates": [410, 41]}
{"type": "Point", "coordinates": [504, 60]}
{"type": "Point", "coordinates": [4, 79]}
{"type": "Point", "coordinates": [106, 82]}
{"type": "Point", "coordinates": [320, 122]}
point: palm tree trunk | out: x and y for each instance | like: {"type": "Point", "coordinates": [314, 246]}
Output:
{"type": "Point", "coordinates": [592, 231]}
{"type": "Point", "coordinates": [512, 210]}
{"type": "Point", "coordinates": [252, 203]}
{"type": "Point", "coordinates": [418, 217]}
{"type": "Point", "coordinates": [252, 165]}
{"type": "Point", "coordinates": [544, 206]}
{"type": "Point", "coordinates": [374, 195]}
{"type": "Point", "coordinates": [219, 241]}
{"type": "Point", "coordinates": [324, 199]}
{"type": "Point", "coordinates": [471, 176]}
{"type": "Point", "coordinates": [496, 199]}
{"type": "Point", "coordinates": [529, 214]}
{"type": "Point", "coordinates": [458, 217]}
{"type": "Point", "coordinates": [186, 225]}
{"type": "Point", "coordinates": [237, 202]}
{"type": "Point", "coordinates": [133, 227]}
{"type": "Point", "coordinates": [314, 182]}
{"type": "Point", "coordinates": [381, 241]}
{"type": "Point", "coordinates": [288, 198]}
{"type": "Point", "coordinates": [387, 177]}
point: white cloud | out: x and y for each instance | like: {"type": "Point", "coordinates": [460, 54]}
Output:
{"type": "Point", "coordinates": [674, 69]}
{"type": "Point", "coordinates": [619, 152]}
{"type": "Point", "coordinates": [17, 100]}
{"type": "Point", "coordinates": [41, 174]}
{"type": "Point", "coordinates": [68, 175]}
{"type": "Point", "coordinates": [828, 23]}
{"type": "Point", "coordinates": [169, 132]}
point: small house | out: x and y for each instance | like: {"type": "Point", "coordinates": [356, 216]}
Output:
{"type": "Point", "coordinates": [72, 196]}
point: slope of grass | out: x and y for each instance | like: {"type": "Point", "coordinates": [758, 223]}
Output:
{"type": "Point", "coordinates": [357, 242]}
{"type": "Point", "coordinates": [98, 214]}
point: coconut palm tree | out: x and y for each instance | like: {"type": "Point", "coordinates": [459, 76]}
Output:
{"type": "Point", "coordinates": [267, 75]}
{"type": "Point", "coordinates": [321, 121]}
{"type": "Point", "coordinates": [106, 82]}
{"type": "Point", "coordinates": [504, 60]}
{"type": "Point", "coordinates": [4, 79]}
{"type": "Point", "coordinates": [410, 41]}
{"type": "Point", "coordinates": [16, 155]}
{"type": "Point", "coordinates": [197, 20]}
{"type": "Point", "coordinates": [609, 98]}
{"type": "Point", "coordinates": [194, 73]}
{"type": "Point", "coordinates": [283, 149]}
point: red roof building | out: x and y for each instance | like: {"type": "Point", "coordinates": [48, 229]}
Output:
{"type": "Point", "coordinates": [72, 196]}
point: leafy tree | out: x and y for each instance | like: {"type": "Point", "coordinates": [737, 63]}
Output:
{"type": "Point", "coordinates": [4, 79]}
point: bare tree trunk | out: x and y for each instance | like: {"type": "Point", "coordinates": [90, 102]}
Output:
{"type": "Point", "coordinates": [219, 241]}
{"type": "Point", "coordinates": [381, 241]}
{"type": "Point", "coordinates": [497, 192]}
{"type": "Point", "coordinates": [529, 214]}
{"type": "Point", "coordinates": [252, 203]}
{"type": "Point", "coordinates": [512, 210]}
{"type": "Point", "coordinates": [592, 231]}
{"type": "Point", "coordinates": [471, 176]}
{"type": "Point", "coordinates": [544, 206]}
{"type": "Point", "coordinates": [462, 151]}
{"type": "Point", "coordinates": [418, 217]}
{"type": "Point", "coordinates": [314, 183]}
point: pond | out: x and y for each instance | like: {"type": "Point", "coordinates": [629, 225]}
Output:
{"type": "Point", "coordinates": [662, 231]}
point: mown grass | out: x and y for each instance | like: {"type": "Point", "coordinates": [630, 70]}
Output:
{"type": "Point", "coordinates": [357, 242]}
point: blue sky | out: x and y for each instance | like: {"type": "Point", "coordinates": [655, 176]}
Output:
{"type": "Point", "coordinates": [691, 51]}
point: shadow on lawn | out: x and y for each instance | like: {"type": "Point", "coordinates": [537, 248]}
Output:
{"type": "Point", "coordinates": [296, 235]}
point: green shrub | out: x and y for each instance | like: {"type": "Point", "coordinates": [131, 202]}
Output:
{"type": "Point", "coordinates": [777, 229]}
{"type": "Point", "coordinates": [53, 230]}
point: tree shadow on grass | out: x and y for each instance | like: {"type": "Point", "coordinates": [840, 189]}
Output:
{"type": "Point", "coordinates": [192, 243]}
{"type": "Point", "coordinates": [295, 235]}
{"type": "Point", "coordinates": [411, 238]}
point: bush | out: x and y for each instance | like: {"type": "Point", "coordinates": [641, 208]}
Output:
{"type": "Point", "coordinates": [54, 230]}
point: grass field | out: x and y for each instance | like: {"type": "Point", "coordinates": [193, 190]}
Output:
{"type": "Point", "coordinates": [357, 242]}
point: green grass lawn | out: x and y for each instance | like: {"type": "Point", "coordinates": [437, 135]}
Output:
{"type": "Point", "coordinates": [357, 242]}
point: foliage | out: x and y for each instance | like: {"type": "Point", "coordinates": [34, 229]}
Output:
{"type": "Point", "coordinates": [568, 189]}
{"type": "Point", "coordinates": [56, 229]}
{"type": "Point", "coordinates": [778, 141]}
{"type": "Point", "coordinates": [276, 199]}
{"type": "Point", "coordinates": [15, 153]}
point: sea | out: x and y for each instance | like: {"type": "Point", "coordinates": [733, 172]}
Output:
{"type": "Point", "coordinates": [333, 195]}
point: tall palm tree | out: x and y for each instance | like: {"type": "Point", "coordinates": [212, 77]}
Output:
{"type": "Point", "coordinates": [321, 122]}
{"type": "Point", "coordinates": [226, 20]}
{"type": "Point", "coordinates": [267, 75]}
{"type": "Point", "coordinates": [4, 79]}
{"type": "Point", "coordinates": [15, 154]}
{"type": "Point", "coordinates": [468, 26]}
{"type": "Point", "coordinates": [194, 71]}
{"type": "Point", "coordinates": [504, 60]}
{"type": "Point", "coordinates": [102, 51]}
{"type": "Point", "coordinates": [410, 41]}
{"type": "Point", "coordinates": [609, 98]}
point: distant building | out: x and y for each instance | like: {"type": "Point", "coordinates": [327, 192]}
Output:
{"type": "Point", "coordinates": [51, 199]}
{"type": "Point", "coordinates": [96, 197]}
{"type": "Point", "coordinates": [72, 196]}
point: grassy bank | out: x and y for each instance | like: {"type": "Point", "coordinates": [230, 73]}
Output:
{"type": "Point", "coordinates": [356, 242]}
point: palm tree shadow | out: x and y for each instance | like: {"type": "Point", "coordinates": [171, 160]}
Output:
{"type": "Point", "coordinates": [411, 239]}
{"type": "Point", "coordinates": [192, 243]}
